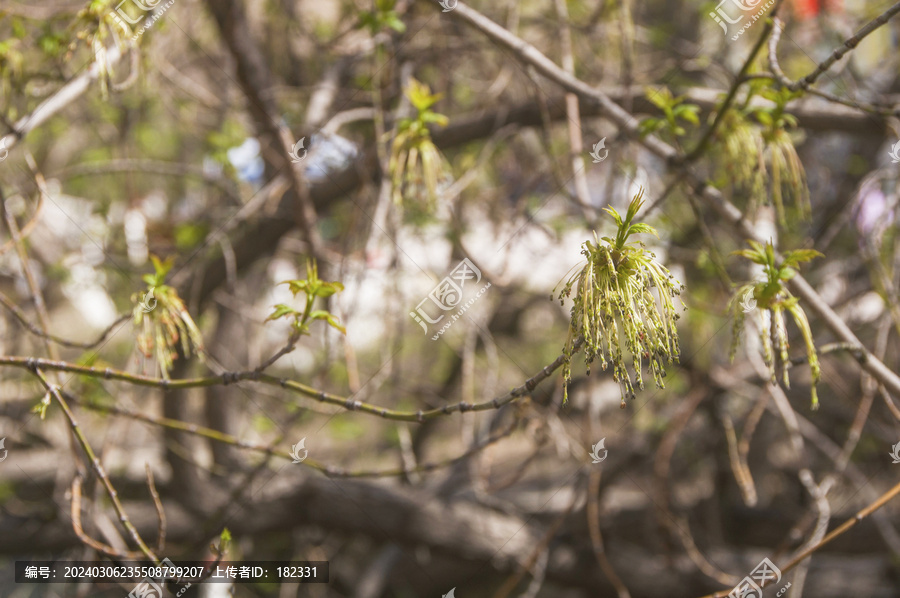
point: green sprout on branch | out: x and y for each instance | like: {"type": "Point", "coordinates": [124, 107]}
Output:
{"type": "Point", "coordinates": [773, 300]}
{"type": "Point", "coordinates": [674, 110]}
{"type": "Point", "coordinates": [162, 320]}
{"type": "Point", "coordinates": [384, 16]}
{"type": "Point", "coordinates": [413, 144]}
{"type": "Point", "coordinates": [614, 290]}
{"type": "Point", "coordinates": [312, 287]}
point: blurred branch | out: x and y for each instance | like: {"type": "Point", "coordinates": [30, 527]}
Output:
{"type": "Point", "coordinates": [255, 81]}
{"type": "Point", "coordinates": [329, 470]}
{"type": "Point", "coordinates": [160, 513]}
{"type": "Point", "coordinates": [79, 530]}
{"type": "Point", "coordinates": [847, 46]}
{"type": "Point", "coordinates": [576, 143]}
{"type": "Point", "coordinates": [94, 463]}
{"type": "Point", "coordinates": [739, 80]}
{"type": "Point", "coordinates": [20, 316]}
{"type": "Point", "coordinates": [843, 528]}
{"type": "Point", "coordinates": [795, 85]}
{"type": "Point", "coordinates": [150, 166]}
{"type": "Point", "coordinates": [59, 100]}
{"type": "Point", "coordinates": [592, 510]}
{"type": "Point", "coordinates": [24, 231]}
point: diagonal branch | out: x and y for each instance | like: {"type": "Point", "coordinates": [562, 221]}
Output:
{"type": "Point", "coordinates": [847, 46]}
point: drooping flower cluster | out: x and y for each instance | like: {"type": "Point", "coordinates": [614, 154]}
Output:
{"type": "Point", "coordinates": [162, 321]}
{"type": "Point", "coordinates": [772, 300]}
{"type": "Point", "coordinates": [416, 165]}
{"type": "Point", "coordinates": [616, 311]}
{"type": "Point", "coordinates": [763, 158]}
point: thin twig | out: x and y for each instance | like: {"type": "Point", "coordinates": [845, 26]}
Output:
{"type": "Point", "coordinates": [150, 166]}
{"type": "Point", "coordinates": [576, 143]}
{"type": "Point", "coordinates": [160, 513]}
{"type": "Point", "coordinates": [95, 463]}
{"type": "Point", "coordinates": [59, 100]}
{"type": "Point", "coordinates": [841, 529]}
{"type": "Point", "coordinates": [79, 529]}
{"type": "Point", "coordinates": [783, 79]}
{"type": "Point", "coordinates": [25, 231]}
{"type": "Point", "coordinates": [592, 510]}
{"type": "Point", "coordinates": [20, 316]}
{"type": "Point", "coordinates": [739, 467]}
{"type": "Point", "coordinates": [847, 46]}
{"type": "Point", "coordinates": [329, 470]}
{"type": "Point", "coordinates": [739, 80]}
{"type": "Point", "coordinates": [347, 403]}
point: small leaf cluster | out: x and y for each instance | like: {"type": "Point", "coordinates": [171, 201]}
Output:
{"type": "Point", "coordinates": [674, 110]}
{"type": "Point", "coordinates": [773, 301]}
{"type": "Point", "coordinates": [384, 16]}
{"type": "Point", "coordinates": [312, 287]}
{"type": "Point", "coordinates": [613, 291]}
{"type": "Point", "coordinates": [412, 144]}
{"type": "Point", "coordinates": [168, 322]}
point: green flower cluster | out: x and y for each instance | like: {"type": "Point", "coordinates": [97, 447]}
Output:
{"type": "Point", "coordinates": [616, 311]}
{"type": "Point", "coordinates": [773, 300]}
{"type": "Point", "coordinates": [416, 165]}
{"type": "Point", "coordinates": [163, 321]}
{"type": "Point", "coordinates": [756, 154]}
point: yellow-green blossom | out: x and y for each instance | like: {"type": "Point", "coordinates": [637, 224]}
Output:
{"type": "Point", "coordinates": [615, 310]}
